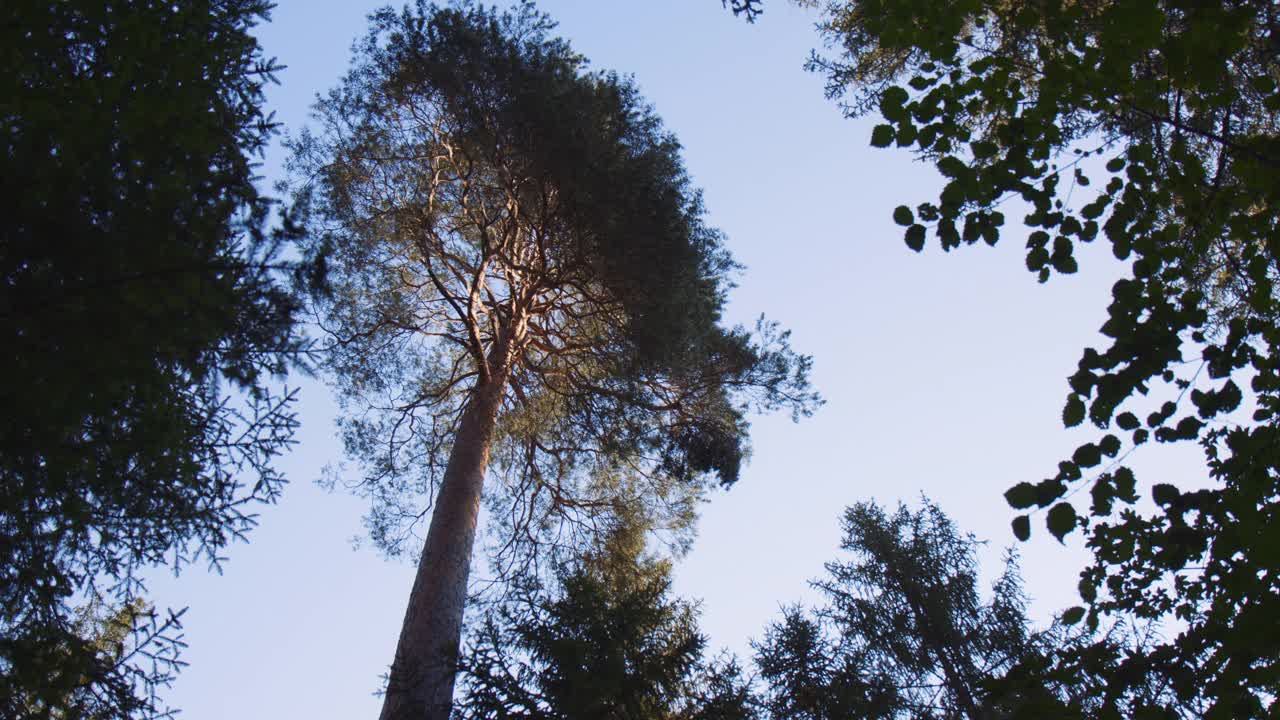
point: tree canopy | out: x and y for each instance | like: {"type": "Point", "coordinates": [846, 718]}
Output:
{"type": "Point", "coordinates": [474, 179]}
{"type": "Point", "coordinates": [1151, 126]}
{"type": "Point", "coordinates": [906, 632]}
{"type": "Point", "coordinates": [142, 318]}
{"type": "Point", "coordinates": [605, 640]}
{"type": "Point", "coordinates": [522, 277]}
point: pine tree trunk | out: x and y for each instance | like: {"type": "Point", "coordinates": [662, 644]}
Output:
{"type": "Point", "coordinates": [420, 686]}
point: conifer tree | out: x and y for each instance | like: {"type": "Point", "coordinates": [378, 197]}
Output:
{"type": "Point", "coordinates": [144, 313]}
{"type": "Point", "coordinates": [523, 282]}
{"type": "Point", "coordinates": [605, 641]}
{"type": "Point", "coordinates": [905, 632]}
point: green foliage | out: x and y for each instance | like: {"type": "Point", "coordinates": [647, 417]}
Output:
{"type": "Point", "coordinates": [606, 641]}
{"type": "Point", "coordinates": [141, 315]}
{"type": "Point", "coordinates": [498, 210]}
{"type": "Point", "coordinates": [749, 9]}
{"type": "Point", "coordinates": [904, 634]}
{"type": "Point", "coordinates": [1151, 126]}
{"type": "Point", "coordinates": [99, 667]}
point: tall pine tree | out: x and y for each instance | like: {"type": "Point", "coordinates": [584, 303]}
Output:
{"type": "Point", "coordinates": [523, 281]}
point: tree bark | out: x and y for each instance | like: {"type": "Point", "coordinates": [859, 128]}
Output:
{"type": "Point", "coordinates": [420, 686]}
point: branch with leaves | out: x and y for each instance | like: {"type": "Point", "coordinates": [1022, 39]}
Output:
{"type": "Point", "coordinates": [1151, 126]}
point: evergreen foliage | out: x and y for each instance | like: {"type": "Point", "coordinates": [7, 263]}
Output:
{"type": "Point", "coordinates": [606, 641]}
{"type": "Point", "coordinates": [142, 316]}
{"type": "Point", "coordinates": [1150, 125]}
{"type": "Point", "coordinates": [749, 9]}
{"type": "Point", "coordinates": [475, 182]}
{"type": "Point", "coordinates": [522, 278]}
{"type": "Point", "coordinates": [905, 633]}
{"type": "Point", "coordinates": [112, 664]}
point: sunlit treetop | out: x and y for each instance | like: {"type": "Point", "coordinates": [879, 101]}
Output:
{"type": "Point", "coordinates": [499, 212]}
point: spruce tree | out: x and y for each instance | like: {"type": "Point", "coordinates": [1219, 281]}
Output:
{"type": "Point", "coordinates": [603, 640]}
{"type": "Point", "coordinates": [144, 313]}
{"type": "Point", "coordinates": [906, 632]}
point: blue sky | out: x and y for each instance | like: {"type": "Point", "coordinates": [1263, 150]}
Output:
{"type": "Point", "coordinates": [944, 374]}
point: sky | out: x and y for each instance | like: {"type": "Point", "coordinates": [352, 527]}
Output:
{"type": "Point", "coordinates": [944, 373]}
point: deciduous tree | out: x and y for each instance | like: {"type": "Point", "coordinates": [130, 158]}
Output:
{"type": "Point", "coordinates": [1150, 125]}
{"type": "Point", "coordinates": [524, 282]}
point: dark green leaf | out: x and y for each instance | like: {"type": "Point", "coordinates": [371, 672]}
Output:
{"type": "Point", "coordinates": [1073, 413]}
{"type": "Point", "coordinates": [1109, 445]}
{"type": "Point", "coordinates": [1087, 455]}
{"type": "Point", "coordinates": [1049, 490]}
{"type": "Point", "coordinates": [1087, 591]}
{"type": "Point", "coordinates": [1021, 496]}
{"type": "Point", "coordinates": [1061, 520]}
{"type": "Point", "coordinates": [892, 98]}
{"type": "Point", "coordinates": [882, 136]}
{"type": "Point", "coordinates": [915, 237]}
{"type": "Point", "coordinates": [983, 149]}
{"type": "Point", "coordinates": [1164, 494]}
{"type": "Point", "coordinates": [1068, 470]}
{"type": "Point", "coordinates": [1022, 528]}
{"type": "Point", "coordinates": [1126, 484]}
